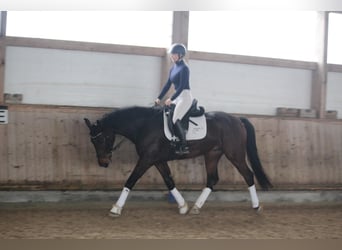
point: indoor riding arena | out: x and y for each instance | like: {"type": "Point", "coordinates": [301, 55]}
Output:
{"type": "Point", "coordinates": [52, 187]}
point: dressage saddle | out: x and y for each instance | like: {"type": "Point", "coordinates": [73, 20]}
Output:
{"type": "Point", "coordinates": [194, 111]}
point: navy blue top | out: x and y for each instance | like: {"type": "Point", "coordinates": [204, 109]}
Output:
{"type": "Point", "coordinates": [179, 76]}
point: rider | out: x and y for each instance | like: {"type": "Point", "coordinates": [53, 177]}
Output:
{"type": "Point", "coordinates": [182, 98]}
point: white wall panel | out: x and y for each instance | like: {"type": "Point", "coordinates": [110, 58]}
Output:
{"type": "Point", "coordinates": [251, 89]}
{"type": "Point", "coordinates": [67, 77]}
{"type": "Point", "coordinates": [80, 78]}
{"type": "Point", "coordinates": [334, 93]}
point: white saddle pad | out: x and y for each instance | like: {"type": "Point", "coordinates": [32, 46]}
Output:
{"type": "Point", "coordinates": [197, 128]}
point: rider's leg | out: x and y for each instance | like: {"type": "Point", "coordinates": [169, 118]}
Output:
{"type": "Point", "coordinates": [183, 104]}
{"type": "Point", "coordinates": [180, 132]}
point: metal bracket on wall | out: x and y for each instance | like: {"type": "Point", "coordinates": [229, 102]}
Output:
{"type": "Point", "coordinates": [3, 115]}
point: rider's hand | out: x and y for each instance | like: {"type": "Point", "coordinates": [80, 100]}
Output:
{"type": "Point", "coordinates": [168, 102]}
{"type": "Point", "coordinates": [157, 101]}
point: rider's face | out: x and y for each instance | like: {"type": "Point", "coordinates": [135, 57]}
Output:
{"type": "Point", "coordinates": [174, 57]}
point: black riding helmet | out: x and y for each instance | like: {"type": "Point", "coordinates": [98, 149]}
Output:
{"type": "Point", "coordinates": [179, 49]}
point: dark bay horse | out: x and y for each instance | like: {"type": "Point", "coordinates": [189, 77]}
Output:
{"type": "Point", "coordinates": [226, 135]}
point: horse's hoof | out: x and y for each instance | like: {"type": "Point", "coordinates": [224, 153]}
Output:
{"type": "Point", "coordinates": [115, 211]}
{"type": "Point", "coordinates": [183, 209]}
{"type": "Point", "coordinates": [258, 209]}
{"type": "Point", "coordinates": [194, 210]}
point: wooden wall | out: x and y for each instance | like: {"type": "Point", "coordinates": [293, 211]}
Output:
{"type": "Point", "coordinates": [48, 147]}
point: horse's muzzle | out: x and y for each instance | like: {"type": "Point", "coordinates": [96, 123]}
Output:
{"type": "Point", "coordinates": [104, 165]}
{"type": "Point", "coordinates": [104, 162]}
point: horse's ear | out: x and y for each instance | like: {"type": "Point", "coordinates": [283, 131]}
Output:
{"type": "Point", "coordinates": [87, 122]}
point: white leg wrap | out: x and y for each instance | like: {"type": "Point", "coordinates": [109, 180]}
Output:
{"type": "Point", "coordinates": [184, 209]}
{"type": "Point", "coordinates": [254, 197]}
{"type": "Point", "coordinates": [115, 211]}
{"type": "Point", "coordinates": [123, 197]}
{"type": "Point", "coordinates": [178, 197]}
{"type": "Point", "coordinates": [203, 197]}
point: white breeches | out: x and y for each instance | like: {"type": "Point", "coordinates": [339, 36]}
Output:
{"type": "Point", "coordinates": [183, 103]}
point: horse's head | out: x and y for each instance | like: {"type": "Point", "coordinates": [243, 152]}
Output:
{"type": "Point", "coordinates": [103, 141]}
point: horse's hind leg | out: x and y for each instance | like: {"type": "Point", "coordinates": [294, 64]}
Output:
{"type": "Point", "coordinates": [165, 172]}
{"type": "Point", "coordinates": [248, 176]}
{"type": "Point", "coordinates": [211, 160]}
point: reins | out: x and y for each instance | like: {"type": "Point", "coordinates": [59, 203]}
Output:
{"type": "Point", "coordinates": [115, 147]}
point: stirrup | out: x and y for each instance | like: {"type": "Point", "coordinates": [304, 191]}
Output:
{"type": "Point", "coordinates": [182, 150]}
{"type": "Point", "coordinates": [173, 143]}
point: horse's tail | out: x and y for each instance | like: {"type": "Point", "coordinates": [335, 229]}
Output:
{"type": "Point", "coordinates": [253, 156]}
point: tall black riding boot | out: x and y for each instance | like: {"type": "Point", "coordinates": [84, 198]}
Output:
{"type": "Point", "coordinates": [180, 133]}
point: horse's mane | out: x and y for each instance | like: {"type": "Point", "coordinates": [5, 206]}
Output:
{"type": "Point", "coordinates": [129, 113]}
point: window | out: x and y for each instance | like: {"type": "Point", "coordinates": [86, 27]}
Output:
{"type": "Point", "coordinates": [335, 38]}
{"type": "Point", "coordinates": [276, 34]}
{"type": "Point", "coordinates": [143, 28]}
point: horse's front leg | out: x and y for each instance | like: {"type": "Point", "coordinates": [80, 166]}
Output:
{"type": "Point", "coordinates": [138, 171]}
{"type": "Point", "coordinates": [165, 172]}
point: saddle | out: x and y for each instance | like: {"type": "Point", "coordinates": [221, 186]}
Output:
{"type": "Point", "coordinates": [194, 111]}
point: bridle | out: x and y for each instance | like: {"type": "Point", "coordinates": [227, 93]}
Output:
{"type": "Point", "coordinates": [94, 137]}
{"type": "Point", "coordinates": [115, 147]}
